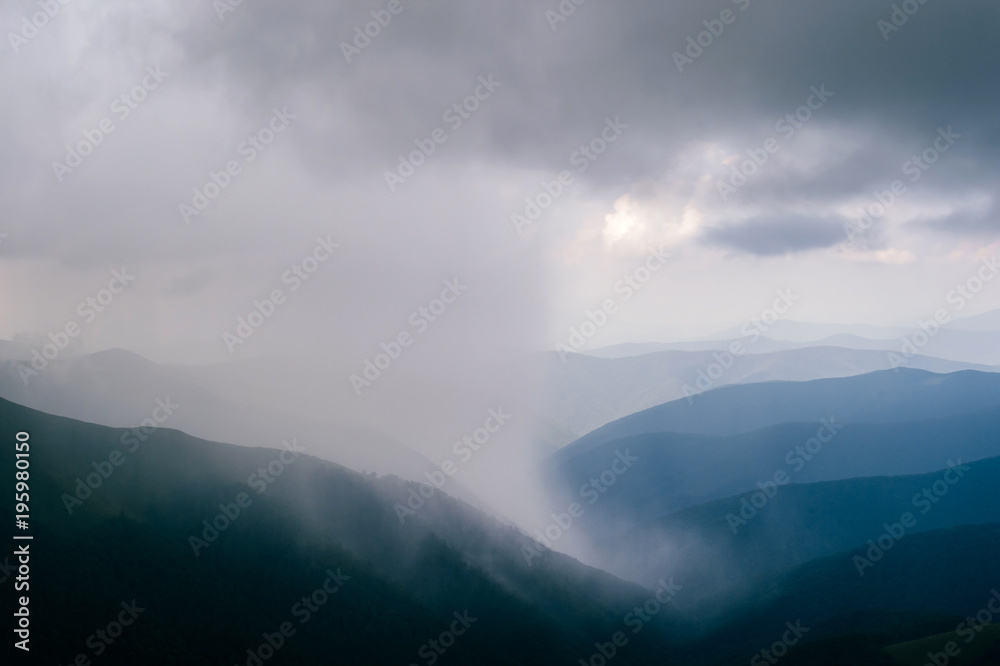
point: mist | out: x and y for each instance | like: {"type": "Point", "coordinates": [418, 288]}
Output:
{"type": "Point", "coordinates": [458, 244]}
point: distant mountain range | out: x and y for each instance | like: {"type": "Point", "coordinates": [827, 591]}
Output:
{"type": "Point", "coordinates": [583, 393]}
{"type": "Point", "coordinates": [973, 340]}
{"type": "Point", "coordinates": [118, 388]}
{"type": "Point", "coordinates": [966, 346]}
{"type": "Point", "coordinates": [878, 397]}
{"type": "Point", "coordinates": [228, 402]}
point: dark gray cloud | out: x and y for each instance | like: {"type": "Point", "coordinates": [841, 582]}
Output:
{"type": "Point", "coordinates": [769, 236]}
{"type": "Point", "coordinates": [608, 59]}
{"type": "Point", "coordinates": [983, 222]}
{"type": "Point", "coordinates": [326, 174]}
{"type": "Point", "coordinates": [558, 86]}
{"type": "Point", "coordinates": [605, 60]}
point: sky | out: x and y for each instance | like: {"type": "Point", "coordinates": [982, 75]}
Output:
{"type": "Point", "coordinates": [672, 164]}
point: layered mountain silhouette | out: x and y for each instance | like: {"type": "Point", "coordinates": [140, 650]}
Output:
{"type": "Point", "coordinates": [584, 393]}
{"type": "Point", "coordinates": [856, 514]}
{"type": "Point", "coordinates": [890, 396]}
{"type": "Point", "coordinates": [727, 544]}
{"type": "Point", "coordinates": [747, 481]}
{"type": "Point", "coordinates": [977, 345]}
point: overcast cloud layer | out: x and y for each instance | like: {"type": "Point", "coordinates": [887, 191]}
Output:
{"type": "Point", "coordinates": [683, 118]}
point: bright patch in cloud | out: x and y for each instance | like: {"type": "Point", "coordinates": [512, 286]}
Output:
{"type": "Point", "coordinates": [619, 223]}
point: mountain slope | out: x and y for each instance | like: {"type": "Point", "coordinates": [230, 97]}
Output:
{"type": "Point", "coordinates": [132, 539]}
{"type": "Point", "coordinates": [674, 471]}
{"type": "Point", "coordinates": [889, 396]}
{"type": "Point", "coordinates": [927, 584]}
{"type": "Point", "coordinates": [724, 544]}
{"type": "Point", "coordinates": [584, 393]}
